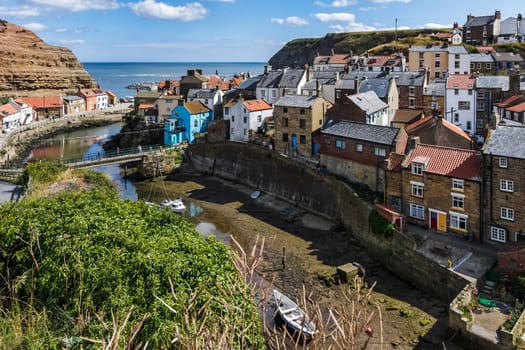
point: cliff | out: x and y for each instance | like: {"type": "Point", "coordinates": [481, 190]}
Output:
{"type": "Point", "coordinates": [300, 52]}
{"type": "Point", "coordinates": [31, 67]}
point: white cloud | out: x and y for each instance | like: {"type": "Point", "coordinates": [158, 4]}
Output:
{"type": "Point", "coordinates": [72, 42]}
{"type": "Point", "coordinates": [336, 3]}
{"type": "Point", "coordinates": [387, 1]}
{"type": "Point", "coordinates": [61, 30]}
{"type": "Point", "coordinates": [436, 25]}
{"type": "Point", "coordinates": [77, 6]}
{"type": "Point", "coordinates": [152, 9]}
{"type": "Point", "coordinates": [369, 8]}
{"type": "Point", "coordinates": [293, 20]}
{"type": "Point", "coordinates": [20, 12]}
{"type": "Point", "coordinates": [352, 27]}
{"type": "Point", "coordinates": [35, 27]}
{"type": "Point", "coordinates": [338, 16]}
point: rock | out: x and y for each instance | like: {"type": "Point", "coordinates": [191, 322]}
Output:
{"type": "Point", "coordinates": [31, 67]}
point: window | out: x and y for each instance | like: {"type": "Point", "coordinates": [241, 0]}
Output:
{"type": "Point", "coordinates": [456, 56]}
{"type": "Point", "coordinates": [263, 93]}
{"type": "Point", "coordinates": [245, 131]}
{"type": "Point", "coordinates": [437, 55]}
{"type": "Point", "coordinates": [464, 105]}
{"type": "Point", "coordinates": [301, 111]}
{"type": "Point", "coordinates": [506, 185]}
{"type": "Point", "coordinates": [359, 147]}
{"type": "Point", "coordinates": [417, 168]}
{"type": "Point", "coordinates": [302, 123]}
{"type": "Point", "coordinates": [411, 102]}
{"type": "Point", "coordinates": [302, 139]}
{"type": "Point", "coordinates": [285, 137]}
{"type": "Point", "coordinates": [458, 201]}
{"type": "Point", "coordinates": [437, 64]}
{"type": "Point", "coordinates": [232, 131]}
{"type": "Point", "coordinates": [227, 110]}
{"type": "Point", "coordinates": [340, 144]}
{"type": "Point", "coordinates": [502, 162]}
{"type": "Point", "coordinates": [456, 117]}
{"type": "Point", "coordinates": [285, 122]}
{"type": "Point", "coordinates": [417, 211]}
{"type": "Point", "coordinates": [274, 93]}
{"type": "Point", "coordinates": [338, 94]}
{"type": "Point", "coordinates": [458, 221]}
{"type": "Point", "coordinates": [458, 185]}
{"type": "Point", "coordinates": [206, 101]}
{"type": "Point", "coordinates": [472, 66]}
{"type": "Point", "coordinates": [488, 66]}
{"type": "Point", "coordinates": [259, 118]}
{"type": "Point", "coordinates": [327, 140]}
{"type": "Point", "coordinates": [417, 189]}
{"type": "Point", "coordinates": [195, 123]}
{"type": "Point", "coordinates": [411, 90]}
{"type": "Point", "coordinates": [479, 65]}
{"type": "Point", "coordinates": [380, 152]}
{"type": "Point", "coordinates": [497, 234]}
{"type": "Point", "coordinates": [469, 125]}
{"type": "Point", "coordinates": [285, 110]}
{"type": "Point", "coordinates": [456, 64]}
{"type": "Point", "coordinates": [507, 214]}
{"type": "Point", "coordinates": [456, 92]}
{"type": "Point", "coordinates": [480, 105]}
{"type": "Point", "coordinates": [233, 118]}
{"type": "Point", "coordinates": [245, 120]}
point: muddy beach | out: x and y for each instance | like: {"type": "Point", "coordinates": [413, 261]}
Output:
{"type": "Point", "coordinates": [312, 248]}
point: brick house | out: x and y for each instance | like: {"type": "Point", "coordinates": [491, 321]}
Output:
{"type": "Point", "coordinates": [434, 97]}
{"type": "Point", "coordinates": [512, 110]}
{"type": "Point", "coordinates": [490, 90]}
{"type": "Point", "coordinates": [437, 188]}
{"type": "Point", "coordinates": [435, 130]}
{"type": "Point", "coordinates": [482, 63]}
{"type": "Point", "coordinates": [296, 118]}
{"type": "Point", "coordinates": [364, 107]}
{"type": "Point", "coordinates": [357, 151]}
{"type": "Point", "coordinates": [482, 30]}
{"type": "Point", "coordinates": [411, 87]}
{"type": "Point", "coordinates": [504, 188]}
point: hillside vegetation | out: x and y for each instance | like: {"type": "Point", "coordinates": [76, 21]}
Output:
{"type": "Point", "coordinates": [79, 268]}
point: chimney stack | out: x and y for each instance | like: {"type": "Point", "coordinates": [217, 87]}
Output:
{"type": "Point", "coordinates": [497, 14]}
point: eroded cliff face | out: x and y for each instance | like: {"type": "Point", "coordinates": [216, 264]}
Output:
{"type": "Point", "coordinates": [31, 67]}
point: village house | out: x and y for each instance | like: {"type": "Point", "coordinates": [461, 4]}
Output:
{"type": "Point", "coordinates": [338, 61]}
{"type": "Point", "coordinates": [404, 117]}
{"type": "Point", "coordinates": [170, 87]}
{"type": "Point", "coordinates": [322, 83]}
{"type": "Point", "coordinates": [504, 188]}
{"type": "Point", "coordinates": [14, 114]}
{"type": "Point", "coordinates": [146, 98]}
{"type": "Point", "coordinates": [438, 61]}
{"type": "Point", "coordinates": [410, 86]}
{"type": "Point", "coordinates": [296, 118]}
{"type": "Point", "coordinates": [95, 99]}
{"type": "Point", "coordinates": [511, 111]}
{"type": "Point", "coordinates": [357, 151]}
{"type": "Point", "coordinates": [434, 97]}
{"type": "Point", "coordinates": [512, 30]}
{"type": "Point", "coordinates": [246, 117]}
{"type": "Point", "coordinates": [211, 98]}
{"type": "Point", "coordinates": [45, 106]}
{"type": "Point", "coordinates": [482, 63]}
{"type": "Point", "coordinates": [460, 101]}
{"type": "Point", "coordinates": [482, 30]}
{"type": "Point", "coordinates": [363, 107]}
{"type": "Point", "coordinates": [391, 63]}
{"type": "Point", "coordinates": [508, 62]}
{"type": "Point", "coordinates": [192, 80]}
{"type": "Point", "coordinates": [74, 105]}
{"type": "Point", "coordinates": [293, 80]}
{"type": "Point", "coordinates": [490, 90]}
{"type": "Point", "coordinates": [349, 83]}
{"type": "Point", "coordinates": [437, 188]}
{"type": "Point", "coordinates": [187, 121]}
{"type": "Point", "coordinates": [387, 92]}
{"type": "Point", "coordinates": [248, 88]}
{"type": "Point", "coordinates": [268, 85]}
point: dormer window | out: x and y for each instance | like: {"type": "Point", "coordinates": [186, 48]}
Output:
{"type": "Point", "coordinates": [418, 168]}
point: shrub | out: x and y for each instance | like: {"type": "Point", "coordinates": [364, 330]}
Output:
{"type": "Point", "coordinates": [379, 225]}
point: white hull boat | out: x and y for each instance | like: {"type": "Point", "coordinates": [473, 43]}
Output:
{"type": "Point", "coordinates": [175, 205]}
{"type": "Point", "coordinates": [293, 315]}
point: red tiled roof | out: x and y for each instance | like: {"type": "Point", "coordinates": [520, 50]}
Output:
{"type": "Point", "coordinates": [456, 129]}
{"type": "Point", "coordinates": [510, 101]}
{"type": "Point", "coordinates": [333, 59]}
{"type": "Point", "coordinates": [444, 35]}
{"type": "Point", "coordinates": [517, 108]}
{"type": "Point", "coordinates": [485, 49]}
{"type": "Point", "coordinates": [43, 101]}
{"type": "Point", "coordinates": [8, 108]}
{"type": "Point", "coordinates": [92, 92]}
{"type": "Point", "coordinates": [146, 106]}
{"type": "Point", "coordinates": [394, 161]}
{"type": "Point", "coordinates": [411, 128]}
{"type": "Point", "coordinates": [256, 105]}
{"type": "Point", "coordinates": [417, 123]}
{"type": "Point", "coordinates": [453, 162]}
{"type": "Point", "coordinates": [381, 61]}
{"type": "Point", "coordinates": [461, 81]}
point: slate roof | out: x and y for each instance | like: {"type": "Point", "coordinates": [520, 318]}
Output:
{"type": "Point", "coordinates": [447, 161]}
{"type": "Point", "coordinates": [270, 79]}
{"type": "Point", "coordinates": [202, 93]}
{"type": "Point", "coordinates": [368, 102]}
{"type": "Point", "coordinates": [408, 78]}
{"type": "Point", "coordinates": [435, 89]}
{"type": "Point", "coordinates": [379, 86]}
{"type": "Point", "coordinates": [250, 83]}
{"type": "Point", "coordinates": [312, 84]}
{"type": "Point", "coordinates": [384, 135]}
{"type": "Point", "coordinates": [362, 74]}
{"type": "Point", "coordinates": [345, 84]}
{"type": "Point", "coordinates": [72, 98]}
{"type": "Point", "coordinates": [457, 50]}
{"type": "Point", "coordinates": [507, 57]}
{"type": "Point", "coordinates": [493, 82]}
{"type": "Point", "coordinates": [498, 142]}
{"type": "Point", "coordinates": [479, 21]}
{"type": "Point", "coordinates": [296, 101]}
{"type": "Point", "coordinates": [436, 48]}
{"type": "Point", "coordinates": [256, 105]}
{"type": "Point", "coordinates": [481, 58]}
{"type": "Point", "coordinates": [508, 26]}
{"type": "Point", "coordinates": [291, 78]}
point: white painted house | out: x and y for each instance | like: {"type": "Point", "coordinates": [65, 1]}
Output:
{"type": "Point", "coordinates": [245, 117]}
{"type": "Point", "coordinates": [14, 114]}
{"type": "Point", "coordinates": [211, 98]}
{"type": "Point", "coordinates": [458, 60]}
{"type": "Point", "coordinates": [460, 101]}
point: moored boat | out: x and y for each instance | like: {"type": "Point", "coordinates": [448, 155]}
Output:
{"type": "Point", "coordinates": [175, 205]}
{"type": "Point", "coordinates": [293, 315]}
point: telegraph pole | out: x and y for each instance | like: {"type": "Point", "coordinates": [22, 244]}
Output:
{"type": "Point", "coordinates": [396, 29]}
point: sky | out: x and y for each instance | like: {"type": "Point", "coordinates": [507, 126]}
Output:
{"type": "Point", "coordinates": [223, 30]}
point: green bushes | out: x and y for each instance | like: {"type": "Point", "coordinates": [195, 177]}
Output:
{"type": "Point", "coordinates": [379, 225]}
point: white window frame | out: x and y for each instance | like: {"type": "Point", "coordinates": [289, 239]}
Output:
{"type": "Point", "coordinates": [380, 152]}
{"type": "Point", "coordinates": [498, 234]}
{"type": "Point", "coordinates": [458, 184]}
{"type": "Point", "coordinates": [359, 147]}
{"type": "Point", "coordinates": [503, 162]}
{"type": "Point", "coordinates": [456, 219]}
{"type": "Point", "coordinates": [507, 213]}
{"type": "Point", "coordinates": [506, 185]}
{"type": "Point", "coordinates": [417, 189]}
{"type": "Point", "coordinates": [417, 168]}
{"type": "Point", "coordinates": [341, 144]}
{"type": "Point", "coordinates": [416, 209]}
{"type": "Point", "coordinates": [459, 199]}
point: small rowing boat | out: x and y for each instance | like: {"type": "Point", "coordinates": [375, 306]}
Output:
{"type": "Point", "coordinates": [293, 315]}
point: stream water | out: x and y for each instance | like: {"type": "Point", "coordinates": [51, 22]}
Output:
{"type": "Point", "coordinates": [87, 142]}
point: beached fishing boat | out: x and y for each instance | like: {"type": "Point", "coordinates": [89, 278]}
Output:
{"type": "Point", "coordinates": [293, 315]}
{"type": "Point", "coordinates": [176, 205]}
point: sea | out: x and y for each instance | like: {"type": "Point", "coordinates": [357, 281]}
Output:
{"type": "Point", "coordinates": [116, 76]}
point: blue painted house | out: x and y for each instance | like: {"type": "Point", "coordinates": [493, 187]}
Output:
{"type": "Point", "coordinates": [186, 120]}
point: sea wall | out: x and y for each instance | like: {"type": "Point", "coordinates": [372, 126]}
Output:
{"type": "Point", "coordinates": [271, 172]}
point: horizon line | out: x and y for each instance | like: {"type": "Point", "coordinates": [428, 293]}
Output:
{"type": "Point", "coordinates": [185, 62]}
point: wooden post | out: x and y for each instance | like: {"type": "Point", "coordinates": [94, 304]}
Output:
{"type": "Point", "coordinates": [284, 258]}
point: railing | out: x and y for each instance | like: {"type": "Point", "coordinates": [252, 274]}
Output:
{"type": "Point", "coordinates": [117, 155]}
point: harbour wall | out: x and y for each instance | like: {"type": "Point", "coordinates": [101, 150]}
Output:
{"type": "Point", "coordinates": [324, 195]}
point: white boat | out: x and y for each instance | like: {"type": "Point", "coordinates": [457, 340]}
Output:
{"type": "Point", "coordinates": [175, 205]}
{"type": "Point", "coordinates": [293, 315]}
{"type": "Point", "coordinates": [255, 194]}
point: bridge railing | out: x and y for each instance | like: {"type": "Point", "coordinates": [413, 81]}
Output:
{"type": "Point", "coordinates": [122, 152]}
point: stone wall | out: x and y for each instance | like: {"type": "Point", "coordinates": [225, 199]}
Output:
{"type": "Point", "coordinates": [511, 261]}
{"type": "Point", "coordinates": [270, 172]}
